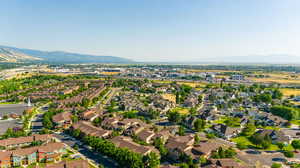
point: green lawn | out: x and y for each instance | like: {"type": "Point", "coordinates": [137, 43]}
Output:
{"type": "Point", "coordinates": [181, 110]}
{"type": "Point", "coordinates": [271, 128]}
{"type": "Point", "coordinates": [220, 120]}
{"type": "Point", "coordinates": [296, 122]}
{"type": "Point", "coordinates": [242, 140]}
{"type": "Point", "coordinates": [245, 141]}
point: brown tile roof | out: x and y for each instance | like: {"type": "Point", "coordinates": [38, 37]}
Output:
{"type": "Point", "coordinates": [180, 142]}
{"type": "Point", "coordinates": [51, 147]}
{"type": "Point", "coordinates": [22, 140]}
{"type": "Point", "coordinates": [145, 134]}
{"type": "Point", "coordinates": [61, 117]}
{"type": "Point", "coordinates": [69, 164]}
{"type": "Point", "coordinates": [126, 142]}
{"type": "Point", "coordinates": [207, 147]}
{"type": "Point", "coordinates": [5, 155]}
{"type": "Point", "coordinates": [226, 163]}
{"type": "Point", "coordinates": [91, 130]}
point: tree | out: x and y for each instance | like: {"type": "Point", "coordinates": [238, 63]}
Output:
{"type": "Point", "coordinates": [285, 112]}
{"type": "Point", "coordinates": [47, 123]}
{"type": "Point", "coordinates": [200, 98]}
{"type": "Point", "coordinates": [74, 118]}
{"type": "Point", "coordinates": [296, 144]}
{"type": "Point", "coordinates": [76, 133]}
{"type": "Point", "coordinates": [197, 139]}
{"type": "Point", "coordinates": [181, 131]}
{"type": "Point", "coordinates": [233, 122]}
{"type": "Point", "coordinates": [202, 160]}
{"type": "Point", "coordinates": [193, 111]}
{"type": "Point", "coordinates": [159, 144]}
{"type": "Point", "coordinates": [262, 141]}
{"type": "Point", "coordinates": [174, 117]}
{"type": "Point", "coordinates": [199, 124]}
{"type": "Point", "coordinates": [151, 160]}
{"type": "Point", "coordinates": [241, 145]}
{"type": "Point", "coordinates": [280, 145]}
{"type": "Point", "coordinates": [97, 121]}
{"type": "Point", "coordinates": [276, 165]}
{"type": "Point", "coordinates": [288, 154]}
{"type": "Point", "coordinates": [177, 98]}
{"type": "Point", "coordinates": [249, 129]}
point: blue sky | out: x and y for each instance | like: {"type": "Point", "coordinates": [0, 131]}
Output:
{"type": "Point", "coordinates": [154, 30]}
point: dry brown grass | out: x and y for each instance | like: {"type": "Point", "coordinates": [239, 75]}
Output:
{"type": "Point", "coordinates": [280, 77]}
{"type": "Point", "coordinates": [170, 97]}
{"type": "Point", "coordinates": [110, 73]}
{"type": "Point", "coordinates": [289, 91]}
{"type": "Point", "coordinates": [193, 84]}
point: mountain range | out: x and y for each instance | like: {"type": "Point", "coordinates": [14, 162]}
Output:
{"type": "Point", "coordinates": [13, 54]}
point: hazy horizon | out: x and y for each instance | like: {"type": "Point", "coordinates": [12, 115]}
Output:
{"type": "Point", "coordinates": [156, 31]}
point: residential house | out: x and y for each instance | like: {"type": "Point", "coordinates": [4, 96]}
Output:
{"type": "Point", "coordinates": [177, 145]}
{"type": "Point", "coordinates": [11, 143]}
{"type": "Point", "coordinates": [69, 164]}
{"type": "Point", "coordinates": [26, 156]}
{"type": "Point", "coordinates": [226, 131]}
{"type": "Point", "coordinates": [89, 115]}
{"type": "Point", "coordinates": [225, 163]}
{"type": "Point", "coordinates": [275, 135]}
{"type": "Point", "coordinates": [146, 135]}
{"type": "Point", "coordinates": [88, 129]}
{"type": "Point", "coordinates": [206, 148]}
{"type": "Point", "coordinates": [126, 142]}
{"type": "Point", "coordinates": [62, 120]}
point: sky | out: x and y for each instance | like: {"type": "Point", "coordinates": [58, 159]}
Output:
{"type": "Point", "coordinates": [154, 30]}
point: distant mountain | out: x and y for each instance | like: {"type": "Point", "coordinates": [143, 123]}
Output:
{"type": "Point", "coordinates": [260, 59]}
{"type": "Point", "coordinates": [12, 54]}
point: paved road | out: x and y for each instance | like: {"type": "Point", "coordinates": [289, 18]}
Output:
{"type": "Point", "coordinates": [94, 157]}
{"type": "Point", "coordinates": [37, 120]}
{"type": "Point", "coordinates": [37, 123]}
